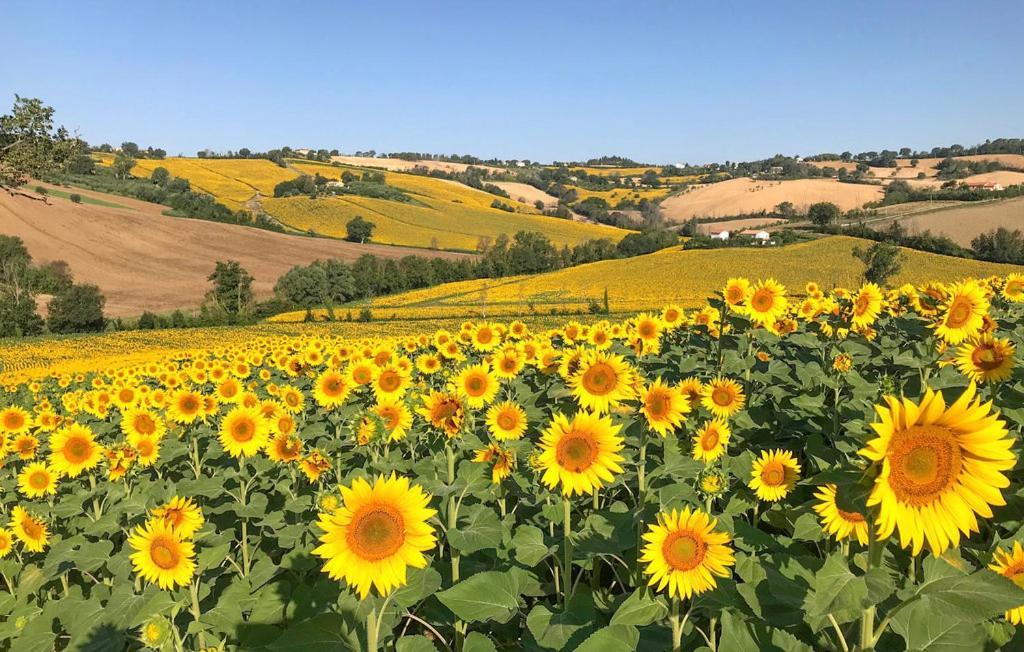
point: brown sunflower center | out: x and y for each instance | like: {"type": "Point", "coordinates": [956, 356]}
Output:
{"type": "Point", "coordinates": [861, 305]}
{"type": "Point", "coordinates": [734, 294]}
{"type": "Point", "coordinates": [333, 386]}
{"type": "Point", "coordinates": [960, 312]}
{"type": "Point", "coordinates": [507, 420]}
{"type": "Point", "coordinates": [476, 385]}
{"type": "Point", "coordinates": [576, 452]}
{"type": "Point", "coordinates": [773, 474]}
{"type": "Point", "coordinates": [684, 551]}
{"type": "Point", "coordinates": [146, 447]}
{"type": "Point", "coordinates": [600, 379]}
{"type": "Point", "coordinates": [762, 300]}
{"type": "Point", "coordinates": [987, 357]}
{"type": "Point", "coordinates": [925, 461]}
{"type": "Point", "coordinates": [851, 517]}
{"type": "Point", "coordinates": [657, 405]}
{"type": "Point", "coordinates": [32, 528]}
{"type": "Point", "coordinates": [13, 421]}
{"type": "Point", "coordinates": [189, 405]}
{"type": "Point", "coordinates": [144, 424]}
{"type": "Point", "coordinates": [647, 330]}
{"type": "Point", "coordinates": [389, 381]}
{"type": "Point", "coordinates": [721, 396]}
{"type": "Point", "coordinates": [39, 480]}
{"type": "Point", "coordinates": [77, 449]}
{"type": "Point", "coordinates": [376, 532]}
{"type": "Point", "coordinates": [709, 441]}
{"type": "Point", "coordinates": [243, 430]}
{"type": "Point", "coordinates": [164, 553]}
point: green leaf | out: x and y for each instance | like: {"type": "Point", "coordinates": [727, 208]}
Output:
{"type": "Point", "coordinates": [91, 556]}
{"type": "Point", "coordinates": [477, 642]}
{"type": "Point", "coordinates": [836, 591]}
{"type": "Point", "coordinates": [422, 583]}
{"type": "Point", "coordinates": [492, 595]}
{"type": "Point", "coordinates": [923, 629]}
{"type": "Point", "coordinates": [324, 633]}
{"type": "Point", "coordinates": [972, 598]}
{"type": "Point", "coordinates": [612, 639]}
{"type": "Point", "coordinates": [479, 528]}
{"type": "Point", "coordinates": [742, 635]}
{"type": "Point", "coordinates": [565, 629]}
{"type": "Point", "coordinates": [640, 609]}
{"type": "Point", "coordinates": [529, 545]}
{"type": "Point", "coordinates": [415, 643]}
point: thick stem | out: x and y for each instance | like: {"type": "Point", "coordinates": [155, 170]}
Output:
{"type": "Point", "coordinates": [243, 490]}
{"type": "Point", "coordinates": [566, 549]}
{"type": "Point", "coordinates": [196, 612]}
{"type": "Point", "coordinates": [677, 626]}
{"type": "Point", "coordinates": [453, 522]}
{"type": "Point", "coordinates": [372, 631]}
{"type": "Point", "coordinates": [867, 619]}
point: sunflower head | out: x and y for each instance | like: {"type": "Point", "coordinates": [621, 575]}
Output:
{"type": "Point", "coordinates": [774, 474]}
{"type": "Point", "coordinates": [580, 455]}
{"type": "Point", "coordinates": [163, 556]}
{"type": "Point", "coordinates": [684, 553]}
{"type": "Point", "coordinates": [1009, 562]}
{"type": "Point", "coordinates": [723, 397]}
{"type": "Point", "coordinates": [602, 381]}
{"type": "Point", "coordinates": [506, 420]}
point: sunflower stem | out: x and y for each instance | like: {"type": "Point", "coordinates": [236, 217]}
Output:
{"type": "Point", "coordinates": [242, 491]}
{"type": "Point", "coordinates": [196, 612]}
{"type": "Point", "coordinates": [677, 626]}
{"type": "Point", "coordinates": [566, 549]}
{"type": "Point", "coordinates": [453, 523]}
{"type": "Point", "coordinates": [372, 631]}
{"type": "Point", "coordinates": [867, 619]}
{"type": "Point", "coordinates": [641, 498]}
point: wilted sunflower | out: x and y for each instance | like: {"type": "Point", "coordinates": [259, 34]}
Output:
{"type": "Point", "coordinates": [710, 441]}
{"type": "Point", "coordinates": [30, 530]}
{"type": "Point", "coordinates": [842, 363]}
{"type": "Point", "coordinates": [314, 465]}
{"type": "Point", "coordinates": [162, 555]}
{"type": "Point", "coordinates": [37, 480]}
{"type": "Point", "coordinates": [838, 523]}
{"type": "Point", "coordinates": [581, 455]}
{"type": "Point", "coordinates": [183, 515]}
{"type": "Point", "coordinates": [331, 389]}
{"type": "Point", "coordinates": [244, 431]}
{"type": "Point", "coordinates": [723, 397]}
{"type": "Point", "coordinates": [774, 475]}
{"type": "Point", "coordinates": [506, 420]}
{"type": "Point", "coordinates": [602, 381]}
{"type": "Point", "coordinates": [664, 407]}
{"type": "Point", "coordinates": [379, 531]}
{"type": "Point", "coordinates": [1010, 564]}
{"type": "Point", "coordinates": [766, 302]}
{"type": "Point", "coordinates": [987, 359]}
{"type": "Point", "coordinates": [940, 467]}
{"type": "Point", "coordinates": [502, 461]}
{"type": "Point", "coordinates": [962, 314]}
{"type": "Point", "coordinates": [476, 385]}
{"type": "Point", "coordinates": [684, 553]}
{"type": "Point", "coordinates": [443, 411]}
{"type": "Point", "coordinates": [73, 449]}
{"type": "Point", "coordinates": [395, 415]}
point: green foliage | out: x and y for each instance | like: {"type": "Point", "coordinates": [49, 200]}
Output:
{"type": "Point", "coordinates": [29, 144]}
{"type": "Point", "coordinates": [823, 213]}
{"type": "Point", "coordinates": [882, 261]}
{"type": "Point", "coordinates": [232, 289]}
{"type": "Point", "coordinates": [79, 309]}
{"type": "Point", "coordinates": [359, 230]}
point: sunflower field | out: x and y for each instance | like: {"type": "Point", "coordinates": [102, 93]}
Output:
{"type": "Point", "coordinates": [839, 471]}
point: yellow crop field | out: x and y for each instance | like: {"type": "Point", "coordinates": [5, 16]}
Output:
{"type": "Point", "coordinates": [231, 181]}
{"type": "Point", "coordinates": [613, 197]}
{"type": "Point", "coordinates": [622, 172]}
{"type": "Point", "coordinates": [673, 275]}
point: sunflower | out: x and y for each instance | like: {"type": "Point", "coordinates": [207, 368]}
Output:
{"type": "Point", "coordinates": [1013, 289]}
{"type": "Point", "coordinates": [582, 454]}
{"type": "Point", "coordinates": [867, 305]}
{"type": "Point", "coordinates": [508, 362]}
{"type": "Point", "coordinates": [244, 431]}
{"type": "Point", "coordinates": [30, 530]}
{"type": "Point", "coordinates": [774, 475]}
{"type": "Point", "coordinates": [940, 467]}
{"type": "Point", "coordinates": [396, 416]}
{"type": "Point", "coordinates": [987, 359]}
{"type": "Point", "coordinates": [148, 450]}
{"type": "Point", "coordinates": [73, 449]}
{"type": "Point", "coordinates": [842, 363]}
{"type": "Point", "coordinates": [6, 542]}
{"type": "Point", "coordinates": [443, 411]}
{"type": "Point", "coordinates": [736, 292]}
{"type": "Point", "coordinates": [331, 389]}
{"type": "Point", "coordinates": [602, 381]}
{"type": "Point", "coordinates": [711, 440]}
{"type": "Point", "coordinates": [137, 422]}
{"type": "Point", "coordinates": [723, 397]}
{"type": "Point", "coordinates": [37, 480]}
{"type": "Point", "coordinates": [1010, 564]}
{"type": "Point", "coordinates": [838, 523]}
{"type": "Point", "coordinates": [962, 314]}
{"type": "Point", "coordinates": [685, 553]}
{"type": "Point", "coordinates": [314, 465]}
{"type": "Point", "coordinates": [766, 302]}
{"type": "Point", "coordinates": [692, 390]}
{"type": "Point", "coordinates": [154, 632]}
{"type": "Point", "coordinates": [185, 406]}
{"type": "Point", "coordinates": [476, 385]}
{"type": "Point", "coordinates": [14, 420]}
{"type": "Point", "coordinates": [163, 555]}
{"type": "Point", "coordinates": [292, 399]}
{"type": "Point", "coordinates": [506, 420]}
{"type": "Point", "coordinates": [378, 532]}
{"type": "Point", "coordinates": [284, 448]}
{"type": "Point", "coordinates": [713, 483]}
{"type": "Point", "coordinates": [663, 406]}
{"type": "Point", "coordinates": [182, 515]}
{"type": "Point", "coordinates": [485, 337]}
{"type": "Point", "coordinates": [503, 461]}
{"type": "Point", "coordinates": [25, 446]}
{"type": "Point", "coordinates": [390, 381]}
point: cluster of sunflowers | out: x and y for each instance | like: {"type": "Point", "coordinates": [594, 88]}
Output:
{"type": "Point", "coordinates": [713, 477]}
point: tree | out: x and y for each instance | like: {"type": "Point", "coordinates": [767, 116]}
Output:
{"type": "Point", "coordinates": [339, 284]}
{"type": "Point", "coordinates": [160, 176]}
{"type": "Point", "coordinates": [823, 213]}
{"type": "Point", "coordinates": [30, 146]}
{"type": "Point", "coordinates": [367, 274]}
{"type": "Point", "coordinates": [232, 288]}
{"type": "Point", "coordinates": [359, 230]}
{"type": "Point", "coordinates": [882, 260]}
{"type": "Point", "coordinates": [130, 148]}
{"type": "Point", "coordinates": [77, 310]}
{"type": "Point", "coordinates": [785, 209]}
{"type": "Point", "coordinates": [531, 253]}
{"type": "Point", "coordinates": [1000, 245]}
{"type": "Point", "coordinates": [304, 287]}
{"type": "Point", "coordinates": [18, 315]}
{"type": "Point", "coordinates": [122, 165]}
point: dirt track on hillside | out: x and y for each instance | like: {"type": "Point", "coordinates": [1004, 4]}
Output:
{"type": "Point", "coordinates": [143, 260]}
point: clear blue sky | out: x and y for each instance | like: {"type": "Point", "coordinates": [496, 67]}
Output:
{"type": "Point", "coordinates": [656, 81]}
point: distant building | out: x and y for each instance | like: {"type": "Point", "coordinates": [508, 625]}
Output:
{"type": "Point", "coordinates": [775, 169]}
{"type": "Point", "coordinates": [720, 235]}
{"type": "Point", "coordinates": [302, 151]}
{"type": "Point", "coordinates": [984, 185]}
{"type": "Point", "coordinates": [761, 237]}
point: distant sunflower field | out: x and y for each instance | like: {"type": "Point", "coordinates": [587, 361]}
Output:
{"type": "Point", "coordinates": [837, 471]}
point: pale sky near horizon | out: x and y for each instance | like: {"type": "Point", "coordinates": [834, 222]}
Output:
{"type": "Point", "coordinates": [660, 82]}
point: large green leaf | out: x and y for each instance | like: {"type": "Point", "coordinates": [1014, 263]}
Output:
{"type": "Point", "coordinates": [479, 528]}
{"type": "Point", "coordinates": [492, 595]}
{"type": "Point", "coordinates": [640, 608]}
{"type": "Point", "coordinates": [528, 542]}
{"type": "Point", "coordinates": [836, 591]}
{"type": "Point", "coordinates": [614, 638]}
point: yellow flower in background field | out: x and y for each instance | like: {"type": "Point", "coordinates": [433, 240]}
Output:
{"type": "Point", "coordinates": [987, 359]}
{"type": "Point", "coordinates": [244, 431]}
{"type": "Point", "coordinates": [182, 515]}
{"type": "Point", "coordinates": [766, 302]}
{"type": "Point", "coordinates": [14, 420]}
{"type": "Point", "coordinates": [1013, 289]}
{"type": "Point", "coordinates": [30, 530]}
{"type": "Point", "coordinates": [663, 406]}
{"type": "Point", "coordinates": [331, 389]}
{"type": "Point", "coordinates": [940, 467]}
{"type": "Point", "coordinates": [428, 363]}
{"type": "Point", "coordinates": [711, 440]}
{"type": "Point", "coordinates": [502, 461]}
{"type": "Point", "coordinates": [774, 475]}
{"type": "Point", "coordinates": [962, 314]}
{"type": "Point", "coordinates": [723, 397]}
{"type": "Point", "coordinates": [1009, 562]}
{"type": "Point", "coordinates": [602, 381]}
{"type": "Point", "coordinates": [162, 555]}
{"type": "Point", "coordinates": [580, 455]}
{"type": "Point", "coordinates": [476, 385]}
{"type": "Point", "coordinates": [867, 305]}
{"type": "Point", "coordinates": [6, 542]}
{"type": "Point", "coordinates": [378, 532]}
{"type": "Point", "coordinates": [73, 449]}
{"type": "Point", "coordinates": [506, 420]}
{"type": "Point", "coordinates": [839, 524]}
{"type": "Point", "coordinates": [443, 411]}
{"type": "Point", "coordinates": [684, 553]}
{"type": "Point", "coordinates": [37, 480]}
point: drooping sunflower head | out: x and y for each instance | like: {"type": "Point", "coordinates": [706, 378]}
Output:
{"type": "Point", "coordinates": [376, 534]}
{"type": "Point", "coordinates": [602, 381]}
{"type": "Point", "coordinates": [711, 440]}
{"type": "Point", "coordinates": [774, 474]}
{"type": "Point", "coordinates": [723, 397]}
{"type": "Point", "coordinates": [987, 359]}
{"type": "Point", "coordinates": [182, 515]}
{"type": "Point", "coordinates": [73, 449]}
{"type": "Point", "coordinates": [506, 420]}
{"type": "Point", "coordinates": [476, 384]}
{"type": "Point", "coordinates": [244, 431]}
{"type": "Point", "coordinates": [314, 465]}
{"type": "Point", "coordinates": [940, 468]}
{"type": "Point", "coordinates": [692, 390]}
{"type": "Point", "coordinates": [163, 556]}
{"type": "Point", "coordinates": [1009, 562]}
{"type": "Point", "coordinates": [581, 455]}
{"type": "Point", "coordinates": [839, 523]}
{"type": "Point", "coordinates": [29, 529]}
{"type": "Point", "coordinates": [663, 406]}
{"type": "Point", "coordinates": [684, 553]}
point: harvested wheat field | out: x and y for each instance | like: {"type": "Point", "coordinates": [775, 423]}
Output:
{"type": "Point", "coordinates": [744, 195]}
{"type": "Point", "coordinates": [143, 260]}
{"type": "Point", "coordinates": [740, 224]}
{"type": "Point", "coordinates": [965, 222]}
{"type": "Point", "coordinates": [1002, 177]}
{"type": "Point", "coordinates": [401, 165]}
{"type": "Point", "coordinates": [525, 193]}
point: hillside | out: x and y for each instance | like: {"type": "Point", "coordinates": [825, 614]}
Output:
{"type": "Point", "coordinates": [398, 164]}
{"type": "Point", "coordinates": [745, 195]}
{"type": "Point", "coordinates": [964, 221]}
{"type": "Point", "coordinates": [231, 181]}
{"type": "Point", "coordinates": [143, 260]}
{"type": "Point", "coordinates": [905, 170]}
{"type": "Point", "coordinates": [670, 276]}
